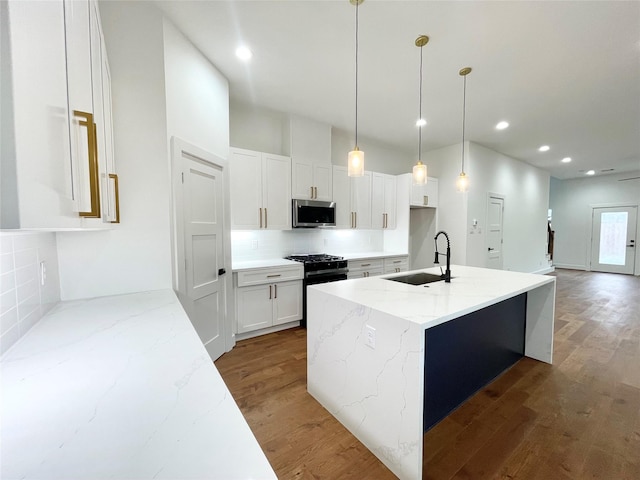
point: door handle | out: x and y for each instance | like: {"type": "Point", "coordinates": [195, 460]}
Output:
{"type": "Point", "coordinates": [221, 271]}
{"type": "Point", "coordinates": [632, 245]}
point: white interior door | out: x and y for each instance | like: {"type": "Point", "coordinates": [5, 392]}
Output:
{"type": "Point", "coordinates": [613, 242]}
{"type": "Point", "coordinates": [202, 291]}
{"type": "Point", "coordinates": [495, 219]}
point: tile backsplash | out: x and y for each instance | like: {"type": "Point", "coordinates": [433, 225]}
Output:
{"type": "Point", "coordinates": [29, 282]}
{"type": "Point", "coordinates": [265, 244]}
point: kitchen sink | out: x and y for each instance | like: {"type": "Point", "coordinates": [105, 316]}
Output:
{"type": "Point", "coordinates": [420, 278]}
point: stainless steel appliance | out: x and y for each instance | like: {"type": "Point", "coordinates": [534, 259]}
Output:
{"type": "Point", "coordinates": [319, 268]}
{"type": "Point", "coordinates": [313, 213]}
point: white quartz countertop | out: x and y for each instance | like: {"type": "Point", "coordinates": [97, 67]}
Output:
{"type": "Point", "coordinates": [271, 262]}
{"type": "Point", "coordinates": [429, 305]}
{"type": "Point", "coordinates": [120, 387]}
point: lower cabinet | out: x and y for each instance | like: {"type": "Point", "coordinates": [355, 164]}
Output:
{"type": "Point", "coordinates": [365, 267]}
{"type": "Point", "coordinates": [268, 297]}
{"type": "Point", "coordinates": [396, 264]}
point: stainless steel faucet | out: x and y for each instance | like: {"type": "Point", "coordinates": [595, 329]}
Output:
{"type": "Point", "coordinates": [447, 273]}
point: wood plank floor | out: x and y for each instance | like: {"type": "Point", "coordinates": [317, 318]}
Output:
{"type": "Point", "coordinates": [578, 418]}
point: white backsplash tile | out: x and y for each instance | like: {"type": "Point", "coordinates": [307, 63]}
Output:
{"type": "Point", "coordinates": [23, 299]}
{"type": "Point", "coordinates": [266, 244]}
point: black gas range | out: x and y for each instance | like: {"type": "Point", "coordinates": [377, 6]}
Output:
{"type": "Point", "coordinates": [319, 268]}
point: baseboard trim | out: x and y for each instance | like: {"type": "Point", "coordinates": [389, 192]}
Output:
{"type": "Point", "coordinates": [544, 271]}
{"type": "Point", "coordinates": [568, 266]}
{"type": "Point", "coordinates": [264, 331]}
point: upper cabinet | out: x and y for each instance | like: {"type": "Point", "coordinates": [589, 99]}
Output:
{"type": "Point", "coordinates": [425, 195]}
{"type": "Point", "coordinates": [383, 201]}
{"type": "Point", "coordinates": [260, 190]}
{"type": "Point", "coordinates": [311, 181]}
{"type": "Point", "coordinates": [353, 199]}
{"type": "Point", "coordinates": [54, 143]}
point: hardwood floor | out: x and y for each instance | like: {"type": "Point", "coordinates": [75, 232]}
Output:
{"type": "Point", "coordinates": [578, 418]}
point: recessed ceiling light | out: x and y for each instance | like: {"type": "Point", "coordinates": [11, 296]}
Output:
{"type": "Point", "coordinates": [590, 172]}
{"type": "Point", "coordinates": [502, 125]}
{"type": "Point", "coordinates": [421, 122]}
{"type": "Point", "coordinates": [544, 148]}
{"type": "Point", "coordinates": [566, 159]}
{"type": "Point", "coordinates": [244, 54]}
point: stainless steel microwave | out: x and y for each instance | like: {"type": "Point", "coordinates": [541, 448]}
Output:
{"type": "Point", "coordinates": [313, 213]}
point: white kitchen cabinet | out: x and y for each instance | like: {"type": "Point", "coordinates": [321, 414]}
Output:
{"type": "Point", "coordinates": [383, 201]}
{"type": "Point", "coordinates": [425, 195]}
{"type": "Point", "coordinates": [353, 199]}
{"type": "Point", "coordinates": [396, 264]}
{"type": "Point", "coordinates": [311, 181]}
{"type": "Point", "coordinates": [365, 267]}
{"type": "Point", "coordinates": [52, 159]}
{"type": "Point", "coordinates": [36, 168]}
{"type": "Point", "coordinates": [267, 297]}
{"type": "Point", "coordinates": [260, 190]}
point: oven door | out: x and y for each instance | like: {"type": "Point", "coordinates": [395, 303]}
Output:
{"type": "Point", "coordinates": [316, 280]}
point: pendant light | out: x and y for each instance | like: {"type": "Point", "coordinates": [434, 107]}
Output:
{"type": "Point", "coordinates": [420, 169]}
{"type": "Point", "coordinates": [355, 161]}
{"type": "Point", "coordinates": [463, 180]}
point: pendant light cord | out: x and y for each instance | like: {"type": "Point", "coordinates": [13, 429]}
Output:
{"type": "Point", "coordinates": [420, 112]}
{"type": "Point", "coordinates": [464, 105]}
{"type": "Point", "coordinates": [357, 5]}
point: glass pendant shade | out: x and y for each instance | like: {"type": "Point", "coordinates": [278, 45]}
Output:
{"type": "Point", "coordinates": [355, 163]}
{"type": "Point", "coordinates": [419, 173]}
{"type": "Point", "coordinates": [462, 183]}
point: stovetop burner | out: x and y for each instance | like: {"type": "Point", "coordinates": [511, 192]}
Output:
{"type": "Point", "coordinates": [314, 258]}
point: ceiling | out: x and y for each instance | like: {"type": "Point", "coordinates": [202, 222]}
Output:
{"type": "Point", "coordinates": [562, 73]}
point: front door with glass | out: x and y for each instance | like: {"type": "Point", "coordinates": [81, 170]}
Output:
{"type": "Point", "coordinates": [613, 239]}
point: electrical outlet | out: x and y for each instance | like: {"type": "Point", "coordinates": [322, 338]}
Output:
{"type": "Point", "coordinates": [370, 336]}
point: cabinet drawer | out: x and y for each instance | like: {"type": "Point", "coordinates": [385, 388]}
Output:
{"type": "Point", "coordinates": [367, 264]}
{"type": "Point", "coordinates": [396, 262]}
{"type": "Point", "coordinates": [269, 275]}
{"type": "Point", "coordinates": [365, 273]}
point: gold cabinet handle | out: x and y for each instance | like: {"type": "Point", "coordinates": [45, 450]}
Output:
{"type": "Point", "coordinates": [94, 185]}
{"type": "Point", "coordinates": [355, 219]}
{"type": "Point", "coordinates": [425, 200]}
{"type": "Point", "coordinates": [116, 191]}
{"type": "Point", "coordinates": [260, 209]}
{"type": "Point", "coordinates": [316, 192]}
{"type": "Point", "coordinates": [275, 288]}
{"type": "Point", "coordinates": [269, 292]}
{"type": "Point", "coordinates": [274, 275]}
{"type": "Point", "coordinates": [266, 224]}
{"type": "Point", "coordinates": [311, 192]}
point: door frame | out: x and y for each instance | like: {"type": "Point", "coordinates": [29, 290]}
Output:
{"type": "Point", "coordinates": [589, 232]}
{"type": "Point", "coordinates": [177, 147]}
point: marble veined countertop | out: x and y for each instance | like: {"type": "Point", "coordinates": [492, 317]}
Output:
{"type": "Point", "coordinates": [429, 305]}
{"type": "Point", "coordinates": [266, 263]}
{"type": "Point", "coordinates": [120, 387]}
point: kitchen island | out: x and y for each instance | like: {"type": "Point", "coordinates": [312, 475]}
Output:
{"type": "Point", "coordinates": [380, 352]}
{"type": "Point", "coordinates": [120, 387]}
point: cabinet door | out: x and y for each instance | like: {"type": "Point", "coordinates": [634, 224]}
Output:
{"type": "Point", "coordinates": [245, 167]}
{"type": "Point", "coordinates": [254, 307]}
{"type": "Point", "coordinates": [342, 197]}
{"type": "Point", "coordinates": [301, 179]}
{"type": "Point", "coordinates": [361, 200]}
{"type": "Point", "coordinates": [287, 302]}
{"type": "Point", "coordinates": [390, 201]}
{"type": "Point", "coordinates": [44, 194]}
{"type": "Point", "coordinates": [432, 191]}
{"type": "Point", "coordinates": [378, 200]}
{"type": "Point", "coordinates": [276, 191]}
{"type": "Point", "coordinates": [322, 181]}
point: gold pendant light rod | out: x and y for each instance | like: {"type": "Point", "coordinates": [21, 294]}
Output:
{"type": "Point", "coordinates": [355, 160]}
{"type": "Point", "coordinates": [463, 180]}
{"type": "Point", "coordinates": [420, 170]}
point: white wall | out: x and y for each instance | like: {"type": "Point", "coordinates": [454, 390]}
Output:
{"type": "Point", "coordinates": [25, 296]}
{"type": "Point", "coordinates": [378, 157]}
{"type": "Point", "coordinates": [260, 129]}
{"type": "Point", "coordinates": [571, 202]}
{"type": "Point", "coordinates": [134, 256]}
{"type": "Point", "coordinates": [526, 191]}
